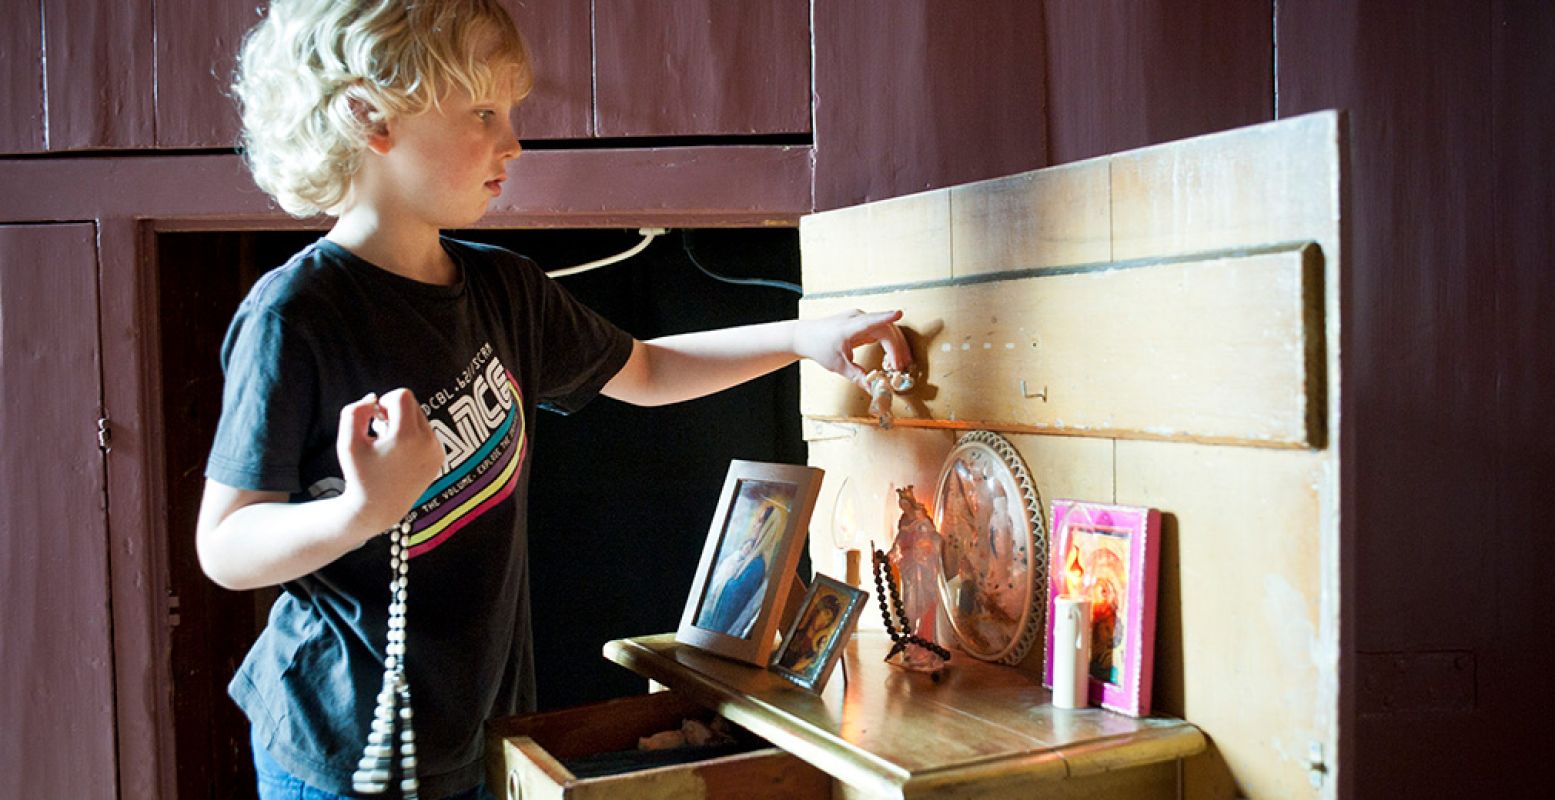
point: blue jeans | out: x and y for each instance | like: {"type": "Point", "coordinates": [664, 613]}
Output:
{"type": "Point", "coordinates": [275, 783]}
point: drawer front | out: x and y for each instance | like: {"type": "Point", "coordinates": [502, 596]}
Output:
{"type": "Point", "coordinates": [525, 754]}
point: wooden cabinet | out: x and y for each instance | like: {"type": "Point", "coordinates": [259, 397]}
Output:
{"type": "Point", "coordinates": [56, 643]}
{"type": "Point", "coordinates": [77, 75]}
{"type": "Point", "coordinates": [21, 80]}
{"type": "Point", "coordinates": [82, 75]}
{"type": "Point", "coordinates": [701, 67]}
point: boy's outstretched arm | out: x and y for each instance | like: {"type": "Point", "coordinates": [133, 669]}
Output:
{"type": "Point", "coordinates": [247, 539]}
{"type": "Point", "coordinates": [675, 368]}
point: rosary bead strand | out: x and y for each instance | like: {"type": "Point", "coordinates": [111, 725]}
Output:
{"type": "Point", "coordinates": [393, 712]}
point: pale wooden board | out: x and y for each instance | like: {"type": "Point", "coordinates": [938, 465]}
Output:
{"type": "Point", "coordinates": [1275, 182]}
{"type": "Point", "coordinates": [1226, 349]}
{"type": "Point", "coordinates": [1241, 641]}
{"type": "Point", "coordinates": [903, 239]}
{"type": "Point", "coordinates": [1050, 217]}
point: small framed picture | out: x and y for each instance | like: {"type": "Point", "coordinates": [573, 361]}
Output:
{"type": "Point", "coordinates": [814, 643]}
{"type": "Point", "coordinates": [749, 559]}
{"type": "Point", "coordinates": [1108, 554]}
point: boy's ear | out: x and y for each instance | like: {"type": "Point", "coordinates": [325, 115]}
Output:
{"type": "Point", "coordinates": [378, 138]}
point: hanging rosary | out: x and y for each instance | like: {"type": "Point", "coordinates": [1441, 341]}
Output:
{"type": "Point", "coordinates": [903, 636]}
{"type": "Point", "coordinates": [373, 771]}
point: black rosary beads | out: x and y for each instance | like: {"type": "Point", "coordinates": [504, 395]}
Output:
{"type": "Point", "coordinates": [903, 636]}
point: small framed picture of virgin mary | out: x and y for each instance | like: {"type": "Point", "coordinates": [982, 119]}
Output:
{"type": "Point", "coordinates": [821, 629]}
{"type": "Point", "coordinates": [749, 559]}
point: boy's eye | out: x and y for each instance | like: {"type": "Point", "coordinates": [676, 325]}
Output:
{"type": "Point", "coordinates": [485, 114]}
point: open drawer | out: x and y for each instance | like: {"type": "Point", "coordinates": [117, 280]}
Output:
{"type": "Point", "coordinates": [533, 756]}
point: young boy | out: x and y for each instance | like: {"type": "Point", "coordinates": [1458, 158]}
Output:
{"type": "Point", "coordinates": [386, 372]}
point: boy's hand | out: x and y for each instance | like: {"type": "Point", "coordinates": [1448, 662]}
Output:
{"type": "Point", "coordinates": [387, 473]}
{"type": "Point", "coordinates": [830, 341]}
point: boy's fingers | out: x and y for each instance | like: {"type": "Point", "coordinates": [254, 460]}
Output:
{"type": "Point", "coordinates": [881, 326]}
{"type": "Point", "coordinates": [403, 411]}
{"type": "Point", "coordinates": [852, 372]}
{"type": "Point", "coordinates": [354, 419]}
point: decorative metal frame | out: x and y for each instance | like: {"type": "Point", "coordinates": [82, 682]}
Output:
{"type": "Point", "coordinates": [1003, 463]}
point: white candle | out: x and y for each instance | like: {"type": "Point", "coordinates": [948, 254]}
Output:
{"type": "Point", "coordinates": [1071, 652]}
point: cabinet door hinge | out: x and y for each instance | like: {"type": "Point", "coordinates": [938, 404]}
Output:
{"type": "Point", "coordinates": [104, 435]}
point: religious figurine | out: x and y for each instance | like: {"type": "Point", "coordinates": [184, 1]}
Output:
{"type": "Point", "coordinates": [882, 384]}
{"type": "Point", "coordinates": [915, 557]}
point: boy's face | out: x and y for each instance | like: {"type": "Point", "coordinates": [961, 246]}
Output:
{"type": "Point", "coordinates": [446, 164]}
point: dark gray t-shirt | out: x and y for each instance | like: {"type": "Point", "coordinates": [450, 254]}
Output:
{"type": "Point", "coordinates": [322, 331]}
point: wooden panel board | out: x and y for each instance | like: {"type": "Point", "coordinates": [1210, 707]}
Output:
{"type": "Point", "coordinates": [100, 79]}
{"type": "Point", "coordinates": [1132, 73]}
{"type": "Point", "coordinates": [560, 38]}
{"type": "Point", "coordinates": [701, 67]}
{"type": "Point", "coordinates": [917, 94]}
{"type": "Point", "coordinates": [1046, 218]}
{"type": "Point", "coordinates": [1245, 646]}
{"type": "Point", "coordinates": [55, 635]}
{"type": "Point", "coordinates": [197, 48]}
{"type": "Point", "coordinates": [901, 240]}
{"type": "Point", "coordinates": [21, 80]}
{"type": "Point", "coordinates": [1223, 349]}
{"type": "Point", "coordinates": [1276, 182]}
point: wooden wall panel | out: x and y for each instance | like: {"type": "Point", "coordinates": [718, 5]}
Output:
{"type": "Point", "coordinates": [901, 240]}
{"type": "Point", "coordinates": [1428, 381]}
{"type": "Point", "coordinates": [907, 93]}
{"type": "Point", "coordinates": [1202, 194]}
{"type": "Point", "coordinates": [21, 80]}
{"type": "Point", "coordinates": [1243, 642]}
{"type": "Point", "coordinates": [1047, 218]}
{"type": "Point", "coordinates": [197, 48]}
{"type": "Point", "coordinates": [1523, 126]}
{"type": "Point", "coordinates": [1249, 637]}
{"type": "Point", "coordinates": [56, 646]}
{"type": "Point", "coordinates": [1125, 73]}
{"type": "Point", "coordinates": [560, 37]}
{"type": "Point", "coordinates": [1223, 349]}
{"type": "Point", "coordinates": [701, 67]}
{"type": "Point", "coordinates": [100, 79]}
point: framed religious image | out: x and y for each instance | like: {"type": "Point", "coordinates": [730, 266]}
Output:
{"type": "Point", "coordinates": [749, 559]}
{"type": "Point", "coordinates": [993, 561]}
{"type": "Point", "coordinates": [821, 629]}
{"type": "Point", "coordinates": [1108, 555]}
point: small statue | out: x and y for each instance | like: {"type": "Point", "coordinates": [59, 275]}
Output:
{"type": "Point", "coordinates": [915, 556]}
{"type": "Point", "coordinates": [882, 384]}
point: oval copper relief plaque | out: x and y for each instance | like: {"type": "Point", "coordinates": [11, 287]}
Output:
{"type": "Point", "coordinates": [994, 556]}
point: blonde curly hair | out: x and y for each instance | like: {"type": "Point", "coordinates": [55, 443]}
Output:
{"type": "Point", "coordinates": [315, 77]}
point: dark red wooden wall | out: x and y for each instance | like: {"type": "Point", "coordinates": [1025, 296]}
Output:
{"type": "Point", "coordinates": [1448, 341]}
{"type": "Point", "coordinates": [1449, 373]}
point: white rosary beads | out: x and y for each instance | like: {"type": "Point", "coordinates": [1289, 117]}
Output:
{"type": "Point", "coordinates": [373, 771]}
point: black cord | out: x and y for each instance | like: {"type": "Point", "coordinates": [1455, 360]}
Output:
{"type": "Point", "coordinates": [685, 244]}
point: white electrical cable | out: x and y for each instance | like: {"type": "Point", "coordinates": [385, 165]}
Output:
{"type": "Point", "coordinates": [648, 235]}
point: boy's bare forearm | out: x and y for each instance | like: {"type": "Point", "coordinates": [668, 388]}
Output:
{"type": "Point", "coordinates": [675, 368]}
{"type": "Point", "coordinates": [264, 544]}
{"type": "Point", "coordinates": [691, 365]}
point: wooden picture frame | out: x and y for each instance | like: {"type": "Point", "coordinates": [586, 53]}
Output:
{"type": "Point", "coordinates": [824, 623]}
{"type": "Point", "coordinates": [1109, 554]}
{"type": "Point", "coordinates": [749, 559]}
